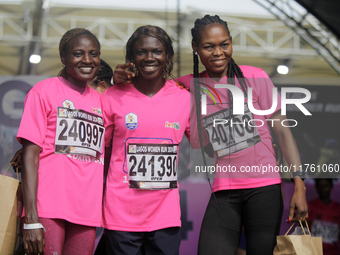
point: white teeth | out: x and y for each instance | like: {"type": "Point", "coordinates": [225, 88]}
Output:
{"type": "Point", "coordinates": [86, 69]}
{"type": "Point", "coordinates": [149, 68]}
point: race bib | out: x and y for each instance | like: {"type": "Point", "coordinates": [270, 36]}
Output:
{"type": "Point", "coordinates": [152, 166]}
{"type": "Point", "coordinates": [229, 134]}
{"type": "Point", "coordinates": [79, 132]}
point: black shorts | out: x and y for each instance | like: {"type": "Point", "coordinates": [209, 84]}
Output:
{"type": "Point", "coordinates": [163, 241]}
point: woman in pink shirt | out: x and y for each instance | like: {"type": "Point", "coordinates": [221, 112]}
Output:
{"type": "Point", "coordinates": [145, 122]}
{"type": "Point", "coordinates": [240, 197]}
{"type": "Point", "coordinates": [62, 134]}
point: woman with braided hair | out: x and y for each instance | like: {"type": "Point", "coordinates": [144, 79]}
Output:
{"type": "Point", "coordinates": [239, 199]}
{"type": "Point", "coordinates": [62, 133]}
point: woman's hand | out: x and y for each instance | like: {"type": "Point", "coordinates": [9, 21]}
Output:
{"type": "Point", "coordinates": [16, 161]}
{"type": "Point", "coordinates": [298, 202]}
{"type": "Point", "coordinates": [33, 238]}
{"type": "Point", "coordinates": [122, 74]}
{"type": "Point", "coordinates": [34, 241]}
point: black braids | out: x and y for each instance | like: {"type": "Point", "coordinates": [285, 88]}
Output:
{"type": "Point", "coordinates": [231, 80]}
{"type": "Point", "coordinates": [206, 20]}
{"type": "Point", "coordinates": [230, 74]}
{"type": "Point", "coordinates": [197, 92]}
{"type": "Point", "coordinates": [236, 71]}
{"type": "Point", "coordinates": [196, 73]}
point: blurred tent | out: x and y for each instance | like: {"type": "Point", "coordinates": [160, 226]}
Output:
{"type": "Point", "coordinates": [260, 37]}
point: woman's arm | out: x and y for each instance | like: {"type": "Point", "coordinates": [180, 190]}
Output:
{"type": "Point", "coordinates": [291, 154]}
{"type": "Point", "coordinates": [33, 239]}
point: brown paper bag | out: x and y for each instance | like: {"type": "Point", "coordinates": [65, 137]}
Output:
{"type": "Point", "coordinates": [8, 213]}
{"type": "Point", "coordinates": [298, 244]}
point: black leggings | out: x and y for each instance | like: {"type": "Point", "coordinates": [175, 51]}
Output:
{"type": "Point", "coordinates": [258, 210]}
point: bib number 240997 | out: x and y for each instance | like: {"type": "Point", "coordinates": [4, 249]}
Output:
{"type": "Point", "coordinates": [78, 132]}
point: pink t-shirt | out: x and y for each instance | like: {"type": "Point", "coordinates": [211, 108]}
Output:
{"type": "Point", "coordinates": [70, 186]}
{"type": "Point", "coordinates": [247, 163]}
{"type": "Point", "coordinates": [132, 117]}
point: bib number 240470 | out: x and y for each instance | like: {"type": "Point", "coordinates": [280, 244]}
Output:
{"type": "Point", "coordinates": [231, 134]}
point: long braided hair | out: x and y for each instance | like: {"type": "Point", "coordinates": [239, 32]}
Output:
{"type": "Point", "coordinates": [233, 70]}
{"type": "Point", "coordinates": [66, 38]}
{"type": "Point", "coordinates": [162, 36]}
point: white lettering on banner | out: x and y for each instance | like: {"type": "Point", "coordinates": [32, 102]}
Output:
{"type": "Point", "coordinates": [238, 102]}
{"type": "Point", "coordinates": [297, 101]}
{"type": "Point", "coordinates": [252, 122]}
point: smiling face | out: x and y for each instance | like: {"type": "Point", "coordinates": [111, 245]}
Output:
{"type": "Point", "coordinates": [214, 49]}
{"type": "Point", "coordinates": [81, 59]}
{"type": "Point", "coordinates": [149, 57]}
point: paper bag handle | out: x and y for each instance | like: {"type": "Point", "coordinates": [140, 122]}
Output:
{"type": "Point", "coordinates": [17, 176]}
{"type": "Point", "coordinates": [301, 227]}
{"type": "Point", "coordinates": [308, 227]}
{"type": "Point", "coordinates": [289, 228]}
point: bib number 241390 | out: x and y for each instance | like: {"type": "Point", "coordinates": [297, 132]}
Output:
{"type": "Point", "coordinates": [152, 166]}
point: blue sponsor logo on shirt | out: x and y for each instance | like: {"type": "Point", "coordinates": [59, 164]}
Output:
{"type": "Point", "coordinates": [131, 121]}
